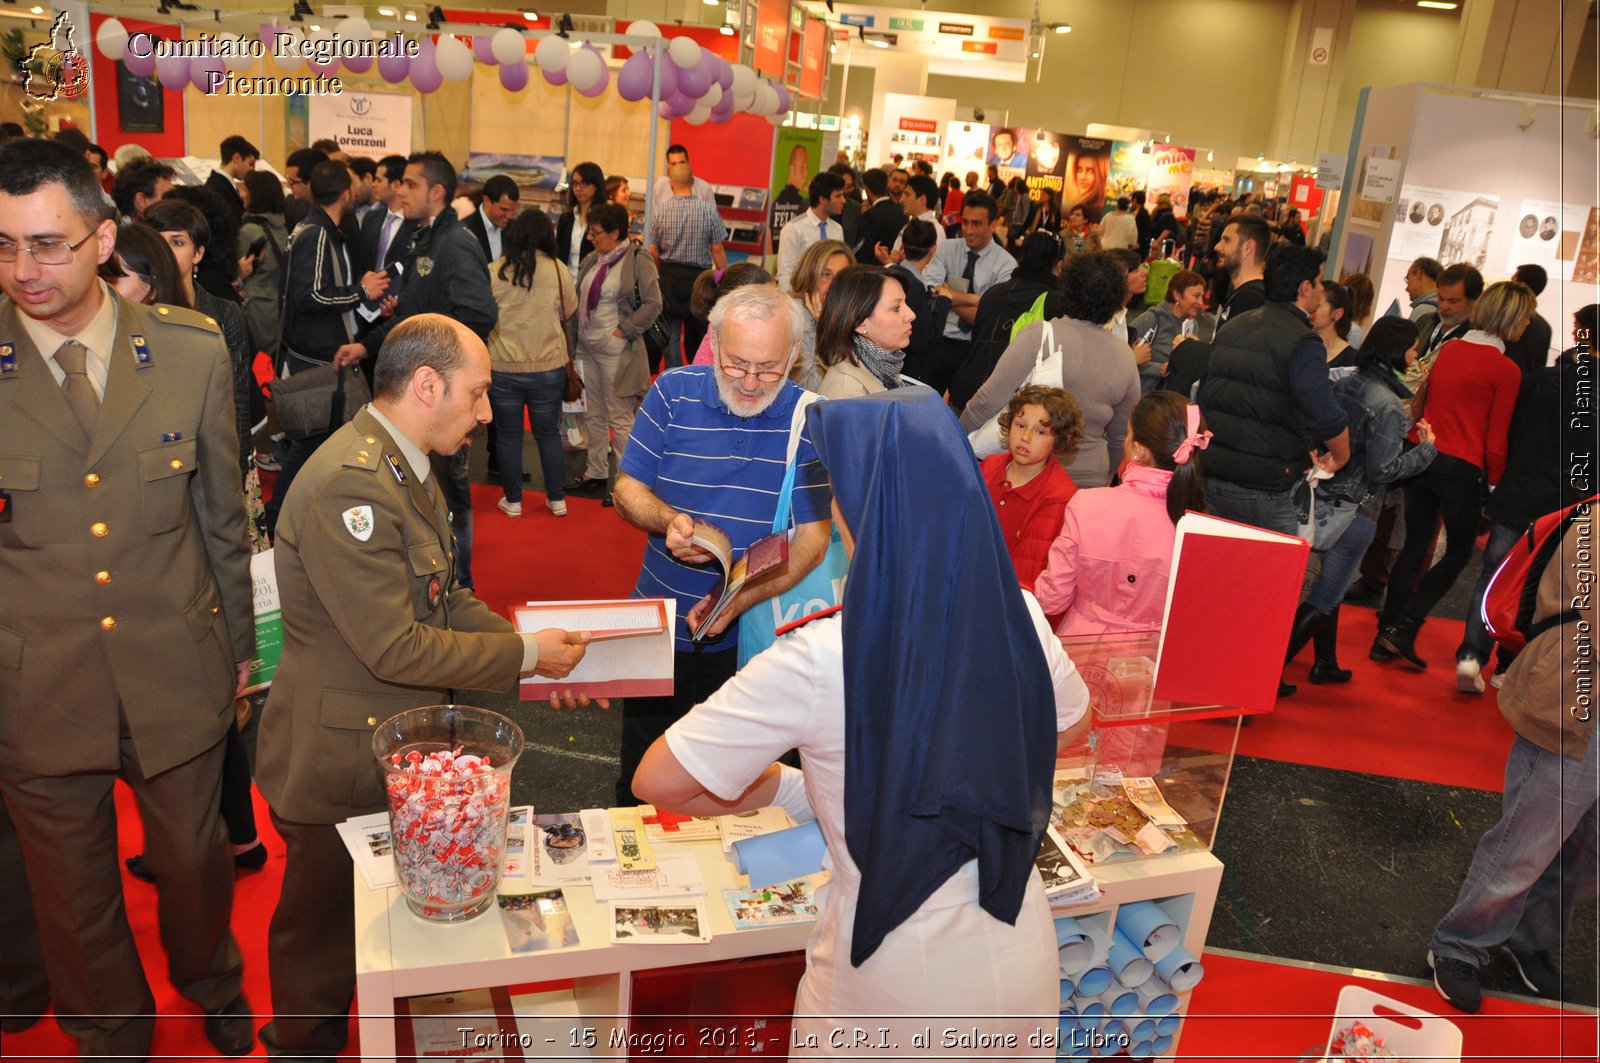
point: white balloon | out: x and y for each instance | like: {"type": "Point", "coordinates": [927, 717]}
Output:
{"type": "Point", "coordinates": [453, 59]}
{"type": "Point", "coordinates": [766, 99]}
{"type": "Point", "coordinates": [699, 116]}
{"type": "Point", "coordinates": [643, 28]}
{"type": "Point", "coordinates": [585, 68]}
{"type": "Point", "coordinates": [744, 81]}
{"type": "Point", "coordinates": [353, 29]}
{"type": "Point", "coordinates": [713, 95]}
{"type": "Point", "coordinates": [237, 57]}
{"type": "Point", "coordinates": [112, 39]}
{"type": "Point", "coordinates": [507, 46]}
{"type": "Point", "coordinates": [776, 119]}
{"type": "Point", "coordinates": [684, 51]}
{"type": "Point", "coordinates": [291, 57]}
{"type": "Point", "coordinates": [745, 101]}
{"type": "Point", "coordinates": [552, 54]}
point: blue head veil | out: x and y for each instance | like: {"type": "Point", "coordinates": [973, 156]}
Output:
{"type": "Point", "coordinates": [949, 707]}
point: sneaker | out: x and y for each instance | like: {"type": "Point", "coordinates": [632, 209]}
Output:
{"type": "Point", "coordinates": [1469, 676]}
{"type": "Point", "coordinates": [1456, 981]}
{"type": "Point", "coordinates": [1498, 680]}
{"type": "Point", "coordinates": [557, 508]}
{"type": "Point", "coordinates": [510, 509]}
{"type": "Point", "coordinates": [1537, 970]}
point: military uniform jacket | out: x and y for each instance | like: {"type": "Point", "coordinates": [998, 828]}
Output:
{"type": "Point", "coordinates": [124, 560]}
{"type": "Point", "coordinates": [373, 624]}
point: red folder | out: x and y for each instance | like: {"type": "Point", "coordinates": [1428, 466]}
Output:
{"type": "Point", "coordinates": [1230, 605]}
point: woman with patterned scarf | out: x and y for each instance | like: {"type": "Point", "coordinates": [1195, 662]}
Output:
{"type": "Point", "coordinates": [863, 333]}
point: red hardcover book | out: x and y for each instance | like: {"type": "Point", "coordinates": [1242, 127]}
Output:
{"type": "Point", "coordinates": [1230, 605]}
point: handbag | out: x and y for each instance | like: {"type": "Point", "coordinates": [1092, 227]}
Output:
{"type": "Point", "coordinates": [574, 390]}
{"type": "Point", "coordinates": [1333, 517]}
{"type": "Point", "coordinates": [317, 401]}
{"type": "Point", "coordinates": [985, 439]}
{"type": "Point", "coordinates": [821, 588]}
{"type": "Point", "coordinates": [656, 336]}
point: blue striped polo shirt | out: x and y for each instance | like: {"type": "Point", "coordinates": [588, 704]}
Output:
{"type": "Point", "coordinates": [702, 459]}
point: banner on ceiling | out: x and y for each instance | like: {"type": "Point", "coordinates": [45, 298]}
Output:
{"type": "Point", "coordinates": [370, 124]}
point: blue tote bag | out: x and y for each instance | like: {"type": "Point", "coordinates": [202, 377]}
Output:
{"type": "Point", "coordinates": [822, 587]}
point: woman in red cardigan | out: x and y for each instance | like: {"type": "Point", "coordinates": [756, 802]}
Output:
{"type": "Point", "coordinates": [1468, 397]}
{"type": "Point", "coordinates": [1028, 487]}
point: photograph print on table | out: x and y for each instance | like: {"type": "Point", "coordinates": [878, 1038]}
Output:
{"type": "Point", "coordinates": [660, 923]}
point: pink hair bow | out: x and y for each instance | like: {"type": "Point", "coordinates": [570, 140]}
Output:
{"type": "Point", "coordinates": [1197, 439]}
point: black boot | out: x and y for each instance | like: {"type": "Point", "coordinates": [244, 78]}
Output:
{"type": "Point", "coordinates": [1306, 621]}
{"type": "Point", "coordinates": [1400, 639]}
{"type": "Point", "coordinates": [1325, 641]}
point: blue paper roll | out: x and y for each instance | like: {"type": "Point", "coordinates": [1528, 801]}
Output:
{"type": "Point", "coordinates": [1158, 1000]}
{"type": "Point", "coordinates": [1180, 970]}
{"type": "Point", "coordinates": [1074, 944]}
{"type": "Point", "coordinates": [1167, 1025]}
{"type": "Point", "coordinates": [1141, 1050]}
{"type": "Point", "coordinates": [1143, 1030]}
{"type": "Point", "coordinates": [1113, 1038]}
{"type": "Point", "coordinates": [1091, 1013]}
{"type": "Point", "coordinates": [1161, 1047]}
{"type": "Point", "coordinates": [1149, 927]}
{"type": "Point", "coordinates": [781, 856]}
{"type": "Point", "coordinates": [1121, 1003]}
{"type": "Point", "coordinates": [1068, 987]}
{"type": "Point", "coordinates": [1128, 961]}
{"type": "Point", "coordinates": [1094, 981]}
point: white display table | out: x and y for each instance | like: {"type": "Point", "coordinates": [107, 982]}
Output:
{"type": "Point", "coordinates": [399, 955]}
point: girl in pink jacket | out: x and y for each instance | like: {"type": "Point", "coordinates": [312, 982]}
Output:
{"type": "Point", "coordinates": [1108, 568]}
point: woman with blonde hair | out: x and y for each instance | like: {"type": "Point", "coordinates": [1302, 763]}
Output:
{"type": "Point", "coordinates": [813, 276]}
{"type": "Point", "coordinates": [1468, 398]}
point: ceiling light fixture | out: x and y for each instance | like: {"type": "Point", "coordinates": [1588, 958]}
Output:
{"type": "Point", "coordinates": [1061, 27]}
{"type": "Point", "coordinates": [530, 16]}
{"type": "Point", "coordinates": [1438, 5]}
{"type": "Point", "coordinates": [386, 12]}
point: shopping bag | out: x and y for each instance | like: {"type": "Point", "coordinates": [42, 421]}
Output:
{"type": "Point", "coordinates": [985, 439]}
{"type": "Point", "coordinates": [822, 587]}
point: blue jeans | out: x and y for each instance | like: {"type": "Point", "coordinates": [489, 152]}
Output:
{"type": "Point", "coordinates": [456, 485]}
{"type": "Point", "coordinates": [1476, 643]}
{"type": "Point", "coordinates": [540, 393]}
{"type": "Point", "coordinates": [1340, 562]}
{"type": "Point", "coordinates": [1272, 510]}
{"type": "Point", "coordinates": [1534, 866]}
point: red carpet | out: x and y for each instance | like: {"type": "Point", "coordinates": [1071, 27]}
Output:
{"type": "Point", "coordinates": [1290, 1011]}
{"type": "Point", "coordinates": [1373, 723]}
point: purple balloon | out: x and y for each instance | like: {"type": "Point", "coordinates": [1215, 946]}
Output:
{"type": "Point", "coordinates": [695, 81]}
{"type": "Point", "coordinates": [173, 70]}
{"type": "Point", "coordinates": [326, 68]}
{"type": "Point", "coordinates": [669, 75]}
{"type": "Point", "coordinates": [514, 76]}
{"type": "Point", "coordinates": [201, 70]}
{"type": "Point", "coordinates": [393, 63]}
{"type": "Point", "coordinates": [724, 108]}
{"type": "Point", "coordinates": [667, 111]}
{"type": "Point", "coordinates": [636, 77]}
{"type": "Point", "coordinates": [558, 77]}
{"type": "Point", "coordinates": [785, 101]}
{"type": "Point", "coordinates": [483, 49]}
{"type": "Point", "coordinates": [724, 74]}
{"type": "Point", "coordinates": [681, 103]}
{"type": "Point", "coordinates": [425, 76]}
{"type": "Point", "coordinates": [139, 65]}
{"type": "Point", "coordinates": [358, 64]}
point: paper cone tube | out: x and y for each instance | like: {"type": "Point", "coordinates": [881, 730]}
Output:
{"type": "Point", "coordinates": [1120, 1003]}
{"type": "Point", "coordinates": [1077, 951]}
{"type": "Point", "coordinates": [1181, 970]}
{"type": "Point", "coordinates": [1101, 940]}
{"type": "Point", "coordinates": [1149, 927]}
{"type": "Point", "coordinates": [1094, 981]}
{"type": "Point", "coordinates": [1143, 1030]}
{"type": "Point", "coordinates": [1157, 998]}
{"type": "Point", "coordinates": [1167, 1025]}
{"type": "Point", "coordinates": [1068, 987]}
{"type": "Point", "coordinates": [1113, 1037]}
{"type": "Point", "coordinates": [780, 856]}
{"type": "Point", "coordinates": [1128, 961]}
{"type": "Point", "coordinates": [1090, 1012]}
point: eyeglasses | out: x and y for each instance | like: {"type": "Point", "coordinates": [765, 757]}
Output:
{"type": "Point", "coordinates": [44, 252]}
{"type": "Point", "coordinates": [739, 372]}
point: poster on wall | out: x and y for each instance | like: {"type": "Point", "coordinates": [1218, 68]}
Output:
{"type": "Point", "coordinates": [1087, 173]}
{"type": "Point", "coordinates": [141, 107]}
{"type": "Point", "coordinates": [796, 159]}
{"type": "Point", "coordinates": [1009, 151]}
{"type": "Point", "coordinates": [1130, 168]}
{"type": "Point", "coordinates": [1047, 163]}
{"type": "Point", "coordinates": [1171, 173]}
{"type": "Point", "coordinates": [529, 171]}
{"type": "Point", "coordinates": [1586, 264]}
{"type": "Point", "coordinates": [1546, 234]}
{"type": "Point", "coordinates": [370, 124]}
{"type": "Point", "coordinates": [1447, 224]}
{"type": "Point", "coordinates": [966, 147]}
{"type": "Point", "coordinates": [1376, 184]}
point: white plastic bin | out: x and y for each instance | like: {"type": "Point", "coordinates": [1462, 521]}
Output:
{"type": "Point", "coordinates": [1408, 1032]}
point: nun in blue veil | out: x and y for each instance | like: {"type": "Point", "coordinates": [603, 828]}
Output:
{"type": "Point", "coordinates": [927, 711]}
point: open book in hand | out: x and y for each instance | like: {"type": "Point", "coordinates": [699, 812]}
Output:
{"type": "Point", "coordinates": [765, 556]}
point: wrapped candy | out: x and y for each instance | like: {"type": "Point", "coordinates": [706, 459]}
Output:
{"type": "Point", "coordinates": [1356, 1041]}
{"type": "Point", "coordinates": [447, 817]}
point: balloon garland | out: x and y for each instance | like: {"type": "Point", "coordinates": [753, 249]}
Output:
{"type": "Point", "coordinates": [696, 84]}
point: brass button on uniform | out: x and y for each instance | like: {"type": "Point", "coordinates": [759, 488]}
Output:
{"type": "Point", "coordinates": [163, 311]}
{"type": "Point", "coordinates": [215, 609]}
{"type": "Point", "coordinates": [92, 480]}
{"type": "Point", "coordinates": [102, 577]}
{"type": "Point", "coordinates": [175, 463]}
{"type": "Point", "coordinates": [99, 530]}
{"type": "Point", "coordinates": [372, 721]}
{"type": "Point", "coordinates": [108, 623]}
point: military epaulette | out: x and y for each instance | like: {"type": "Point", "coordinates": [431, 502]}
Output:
{"type": "Point", "coordinates": [365, 453]}
{"type": "Point", "coordinates": [804, 620]}
{"type": "Point", "coordinates": [177, 315]}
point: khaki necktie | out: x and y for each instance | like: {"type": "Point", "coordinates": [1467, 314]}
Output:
{"type": "Point", "coordinates": [71, 357]}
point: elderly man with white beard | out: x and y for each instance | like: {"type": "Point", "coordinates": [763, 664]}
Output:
{"type": "Point", "coordinates": [711, 442]}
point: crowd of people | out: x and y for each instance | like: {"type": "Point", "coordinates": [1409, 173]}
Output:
{"type": "Point", "coordinates": [939, 320]}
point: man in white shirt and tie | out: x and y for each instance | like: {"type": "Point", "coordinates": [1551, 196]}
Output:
{"type": "Point", "coordinates": [826, 194]}
{"type": "Point", "coordinates": [962, 270]}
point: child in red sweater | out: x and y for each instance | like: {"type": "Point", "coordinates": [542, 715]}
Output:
{"type": "Point", "coordinates": [1028, 486]}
